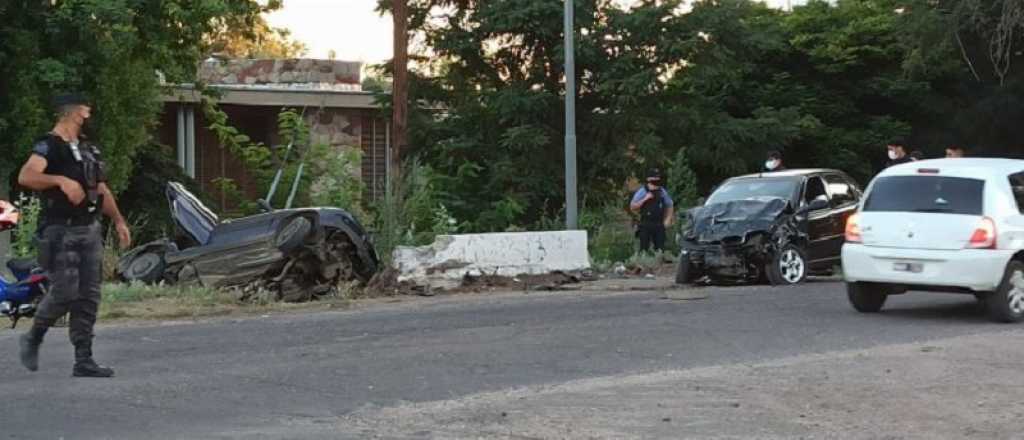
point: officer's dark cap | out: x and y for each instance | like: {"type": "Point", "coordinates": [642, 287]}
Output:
{"type": "Point", "coordinates": [654, 174]}
{"type": "Point", "coordinates": [66, 99]}
{"type": "Point", "coordinates": [897, 142]}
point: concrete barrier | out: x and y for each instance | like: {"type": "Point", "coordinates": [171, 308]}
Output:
{"type": "Point", "coordinates": [450, 258]}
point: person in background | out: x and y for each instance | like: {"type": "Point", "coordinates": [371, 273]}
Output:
{"type": "Point", "coordinates": [897, 150]}
{"type": "Point", "coordinates": [955, 151]}
{"type": "Point", "coordinates": [916, 155]}
{"type": "Point", "coordinates": [655, 207]}
{"type": "Point", "coordinates": [774, 162]}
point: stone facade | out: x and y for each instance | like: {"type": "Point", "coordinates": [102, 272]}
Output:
{"type": "Point", "coordinates": [341, 129]}
{"type": "Point", "coordinates": [303, 73]}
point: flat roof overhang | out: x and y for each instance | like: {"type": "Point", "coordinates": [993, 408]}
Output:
{"type": "Point", "coordinates": [274, 97]}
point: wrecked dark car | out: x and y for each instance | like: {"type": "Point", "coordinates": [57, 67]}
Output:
{"type": "Point", "coordinates": [296, 254]}
{"type": "Point", "coordinates": [773, 227]}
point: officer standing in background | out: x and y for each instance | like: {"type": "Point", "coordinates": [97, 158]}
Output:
{"type": "Point", "coordinates": [655, 207]}
{"type": "Point", "coordinates": [69, 174]}
{"type": "Point", "coordinates": [897, 150]}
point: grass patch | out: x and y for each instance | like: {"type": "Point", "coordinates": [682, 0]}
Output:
{"type": "Point", "coordinates": [140, 301]}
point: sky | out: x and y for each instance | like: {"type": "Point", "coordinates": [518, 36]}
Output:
{"type": "Point", "coordinates": [350, 27]}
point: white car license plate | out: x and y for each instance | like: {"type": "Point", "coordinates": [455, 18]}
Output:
{"type": "Point", "coordinates": [908, 267]}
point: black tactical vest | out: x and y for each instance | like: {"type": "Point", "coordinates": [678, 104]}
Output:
{"type": "Point", "coordinates": [86, 167]}
{"type": "Point", "coordinates": [653, 211]}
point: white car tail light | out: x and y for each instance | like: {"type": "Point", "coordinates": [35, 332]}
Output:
{"type": "Point", "coordinates": [853, 229]}
{"type": "Point", "coordinates": [985, 236]}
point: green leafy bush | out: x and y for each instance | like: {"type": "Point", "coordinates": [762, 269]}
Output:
{"type": "Point", "coordinates": [23, 243]}
{"type": "Point", "coordinates": [413, 213]}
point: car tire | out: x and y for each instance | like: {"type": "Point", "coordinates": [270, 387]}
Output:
{"type": "Point", "coordinates": [788, 266]}
{"type": "Point", "coordinates": [292, 234]}
{"type": "Point", "coordinates": [867, 297]}
{"type": "Point", "coordinates": [147, 267]}
{"type": "Point", "coordinates": [684, 271]}
{"type": "Point", "coordinates": [1006, 304]}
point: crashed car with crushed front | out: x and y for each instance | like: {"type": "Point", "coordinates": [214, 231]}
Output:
{"type": "Point", "coordinates": [295, 254]}
{"type": "Point", "coordinates": [778, 228]}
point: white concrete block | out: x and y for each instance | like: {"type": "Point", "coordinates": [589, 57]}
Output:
{"type": "Point", "coordinates": [450, 258]}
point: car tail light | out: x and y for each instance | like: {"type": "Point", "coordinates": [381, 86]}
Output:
{"type": "Point", "coordinates": [928, 171]}
{"type": "Point", "coordinates": [985, 236]}
{"type": "Point", "coordinates": [853, 229]}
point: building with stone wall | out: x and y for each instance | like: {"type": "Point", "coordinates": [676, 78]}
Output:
{"type": "Point", "coordinates": [252, 94]}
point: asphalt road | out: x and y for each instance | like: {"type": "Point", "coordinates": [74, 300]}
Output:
{"type": "Point", "coordinates": [232, 378]}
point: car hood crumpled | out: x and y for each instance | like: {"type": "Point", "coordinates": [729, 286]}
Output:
{"type": "Point", "coordinates": [715, 223]}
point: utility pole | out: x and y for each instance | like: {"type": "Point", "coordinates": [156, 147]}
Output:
{"type": "Point", "coordinates": [570, 121]}
{"type": "Point", "coordinates": [400, 88]}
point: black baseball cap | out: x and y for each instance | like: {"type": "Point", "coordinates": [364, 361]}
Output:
{"type": "Point", "coordinates": [897, 141]}
{"type": "Point", "coordinates": [654, 174]}
{"type": "Point", "coordinates": [66, 99]}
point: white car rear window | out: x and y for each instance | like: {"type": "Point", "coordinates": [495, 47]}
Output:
{"type": "Point", "coordinates": [944, 195]}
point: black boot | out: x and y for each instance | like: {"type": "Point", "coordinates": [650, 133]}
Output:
{"type": "Point", "coordinates": [30, 342]}
{"type": "Point", "coordinates": [85, 366]}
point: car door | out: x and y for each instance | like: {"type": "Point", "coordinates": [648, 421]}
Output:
{"type": "Point", "coordinates": [843, 199]}
{"type": "Point", "coordinates": [820, 223]}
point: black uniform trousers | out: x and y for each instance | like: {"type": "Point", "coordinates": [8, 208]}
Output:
{"type": "Point", "coordinates": [73, 259]}
{"type": "Point", "coordinates": [651, 234]}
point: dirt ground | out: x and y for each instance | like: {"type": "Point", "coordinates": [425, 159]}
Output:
{"type": "Point", "coordinates": [964, 387]}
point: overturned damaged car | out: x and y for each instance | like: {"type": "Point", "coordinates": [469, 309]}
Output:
{"type": "Point", "coordinates": [296, 254]}
{"type": "Point", "coordinates": [773, 227]}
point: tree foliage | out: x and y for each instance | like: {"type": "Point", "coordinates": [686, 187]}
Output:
{"type": "Point", "coordinates": [259, 41]}
{"type": "Point", "coordinates": [726, 80]}
{"type": "Point", "coordinates": [111, 50]}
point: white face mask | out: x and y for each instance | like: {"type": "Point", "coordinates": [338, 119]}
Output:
{"type": "Point", "coordinates": [893, 155]}
{"type": "Point", "coordinates": [771, 164]}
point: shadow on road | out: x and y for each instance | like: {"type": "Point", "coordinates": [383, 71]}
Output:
{"type": "Point", "coordinates": [917, 306]}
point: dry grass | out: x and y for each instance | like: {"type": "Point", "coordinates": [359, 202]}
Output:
{"type": "Point", "coordinates": [138, 301]}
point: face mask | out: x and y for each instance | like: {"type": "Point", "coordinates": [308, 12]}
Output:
{"type": "Point", "coordinates": [771, 164]}
{"type": "Point", "coordinates": [89, 129]}
{"type": "Point", "coordinates": [893, 155]}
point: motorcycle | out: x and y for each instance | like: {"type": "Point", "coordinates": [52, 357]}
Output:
{"type": "Point", "coordinates": [20, 297]}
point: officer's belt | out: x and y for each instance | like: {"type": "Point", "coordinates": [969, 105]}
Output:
{"type": "Point", "coordinates": [77, 220]}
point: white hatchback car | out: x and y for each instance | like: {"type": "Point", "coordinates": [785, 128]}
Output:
{"type": "Point", "coordinates": [948, 225]}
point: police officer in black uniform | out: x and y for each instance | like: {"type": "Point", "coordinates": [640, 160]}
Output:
{"type": "Point", "coordinates": [69, 173]}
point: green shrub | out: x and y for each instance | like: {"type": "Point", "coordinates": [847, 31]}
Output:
{"type": "Point", "coordinates": [23, 244]}
{"type": "Point", "coordinates": [413, 213]}
{"type": "Point", "coordinates": [611, 234]}
{"type": "Point", "coordinates": [144, 201]}
{"type": "Point", "coordinates": [682, 181]}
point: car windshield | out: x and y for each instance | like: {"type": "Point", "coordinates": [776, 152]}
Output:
{"type": "Point", "coordinates": [944, 195]}
{"type": "Point", "coordinates": [762, 189]}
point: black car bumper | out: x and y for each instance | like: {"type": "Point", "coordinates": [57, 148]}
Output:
{"type": "Point", "coordinates": [725, 261]}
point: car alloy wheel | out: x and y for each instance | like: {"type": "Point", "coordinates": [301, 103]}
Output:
{"type": "Point", "coordinates": [791, 266]}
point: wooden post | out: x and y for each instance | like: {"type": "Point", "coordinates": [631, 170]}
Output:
{"type": "Point", "coordinates": [400, 92]}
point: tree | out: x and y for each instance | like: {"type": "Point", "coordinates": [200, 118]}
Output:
{"type": "Point", "coordinates": [828, 83]}
{"type": "Point", "coordinates": [499, 82]}
{"type": "Point", "coordinates": [259, 41]}
{"type": "Point", "coordinates": [110, 49]}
